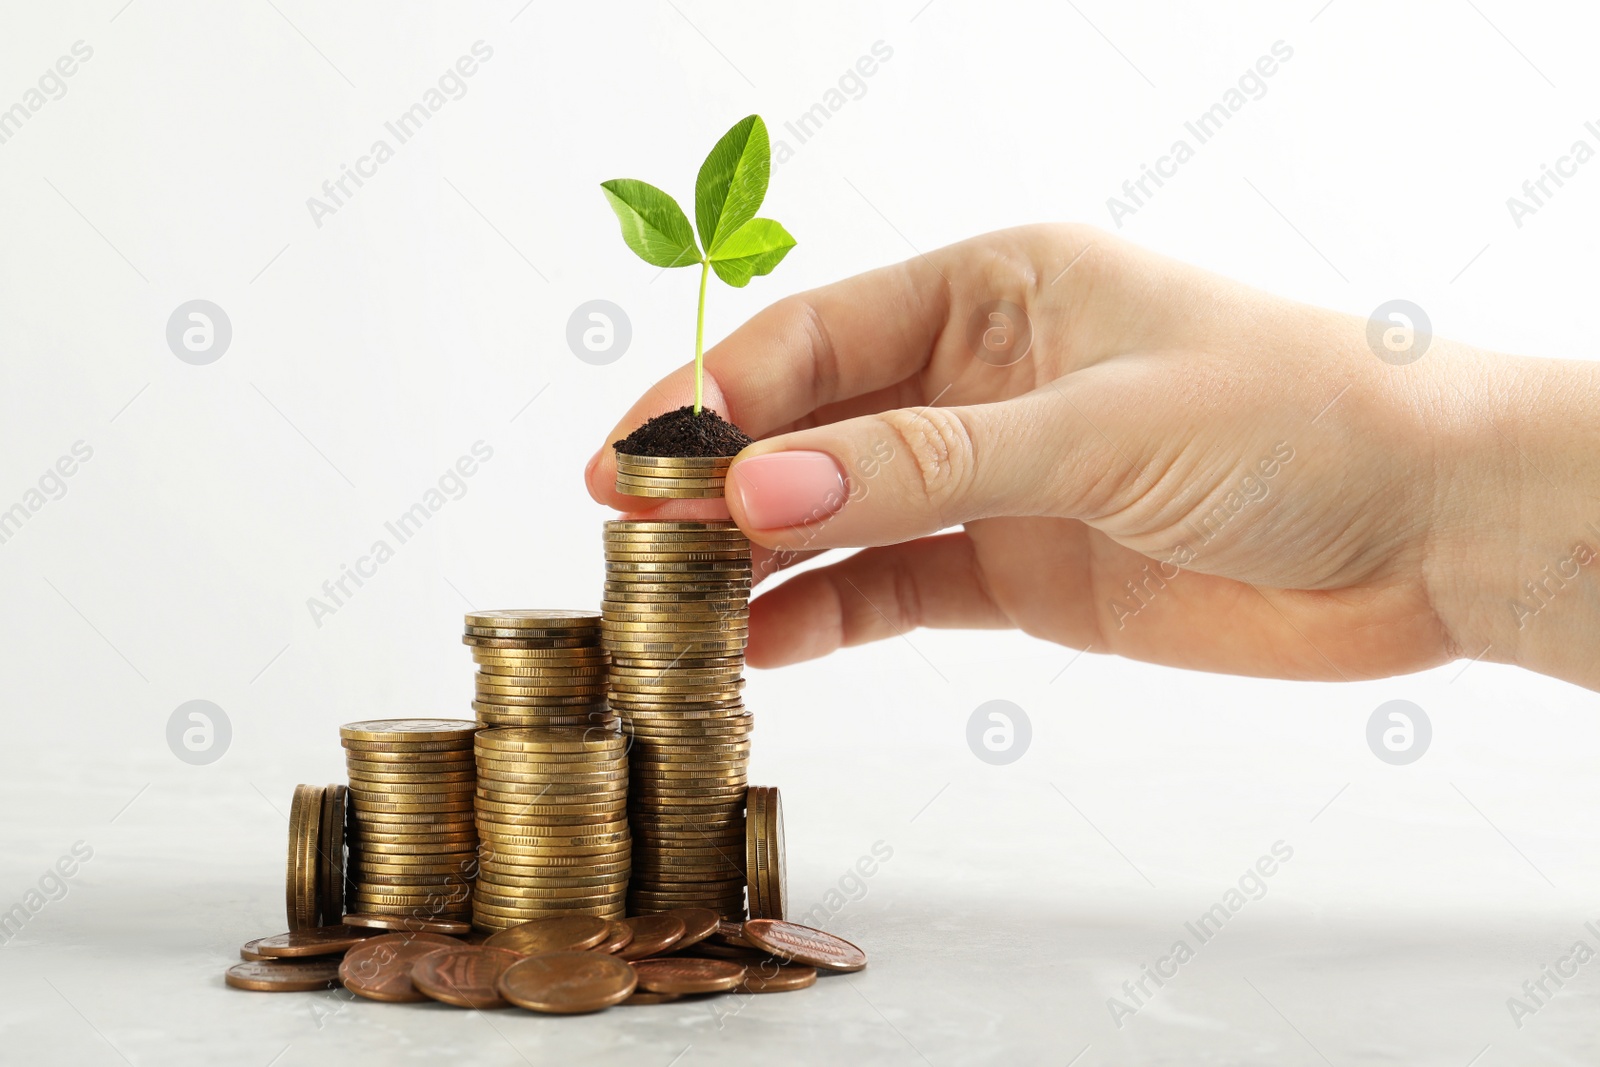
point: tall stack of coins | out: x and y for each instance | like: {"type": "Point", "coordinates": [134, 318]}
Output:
{"type": "Point", "coordinates": [413, 847]}
{"type": "Point", "coordinates": [682, 477]}
{"type": "Point", "coordinates": [676, 613]}
{"type": "Point", "coordinates": [552, 813]}
{"type": "Point", "coordinates": [538, 668]}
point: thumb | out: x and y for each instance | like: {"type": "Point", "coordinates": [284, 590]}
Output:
{"type": "Point", "coordinates": [894, 476]}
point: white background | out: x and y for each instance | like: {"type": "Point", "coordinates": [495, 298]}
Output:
{"type": "Point", "coordinates": [372, 351]}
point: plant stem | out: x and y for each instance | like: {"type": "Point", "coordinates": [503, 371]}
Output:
{"type": "Point", "coordinates": [700, 337]}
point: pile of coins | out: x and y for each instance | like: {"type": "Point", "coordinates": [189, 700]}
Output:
{"type": "Point", "coordinates": [552, 817]}
{"type": "Point", "coordinates": [675, 621]}
{"type": "Point", "coordinates": [413, 846]}
{"type": "Point", "coordinates": [538, 668]}
{"type": "Point", "coordinates": [564, 965]}
{"type": "Point", "coordinates": [672, 476]}
{"type": "Point", "coordinates": [314, 875]}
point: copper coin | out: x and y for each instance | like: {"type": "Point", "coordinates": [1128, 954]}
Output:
{"type": "Point", "coordinates": [726, 952]}
{"type": "Point", "coordinates": [652, 934]}
{"type": "Point", "coordinates": [314, 941]}
{"type": "Point", "coordinates": [802, 944]}
{"type": "Point", "coordinates": [568, 983]}
{"type": "Point", "coordinates": [283, 976]}
{"type": "Point", "coordinates": [467, 976]}
{"type": "Point", "coordinates": [698, 924]}
{"type": "Point", "coordinates": [572, 933]}
{"type": "Point", "coordinates": [620, 935]}
{"type": "Point", "coordinates": [247, 951]}
{"type": "Point", "coordinates": [643, 997]}
{"type": "Point", "coordinates": [418, 924]}
{"type": "Point", "coordinates": [774, 977]}
{"type": "Point", "coordinates": [688, 974]}
{"type": "Point", "coordinates": [380, 968]}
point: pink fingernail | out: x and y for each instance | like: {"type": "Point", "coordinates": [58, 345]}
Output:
{"type": "Point", "coordinates": [783, 489]}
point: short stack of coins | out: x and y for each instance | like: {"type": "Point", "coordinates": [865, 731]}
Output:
{"type": "Point", "coordinates": [676, 616]}
{"type": "Point", "coordinates": [552, 816]}
{"type": "Point", "coordinates": [538, 668]}
{"type": "Point", "coordinates": [413, 846]}
{"type": "Point", "coordinates": [681, 477]}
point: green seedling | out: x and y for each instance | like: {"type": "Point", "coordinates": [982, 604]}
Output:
{"type": "Point", "coordinates": [733, 242]}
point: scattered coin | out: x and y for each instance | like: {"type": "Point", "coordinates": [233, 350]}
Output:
{"type": "Point", "coordinates": [771, 977]}
{"type": "Point", "coordinates": [556, 934]}
{"type": "Point", "coordinates": [652, 935]}
{"type": "Point", "coordinates": [802, 944]}
{"type": "Point", "coordinates": [315, 941]}
{"type": "Point", "coordinates": [467, 976]}
{"type": "Point", "coordinates": [380, 967]}
{"type": "Point", "coordinates": [617, 938]}
{"type": "Point", "coordinates": [568, 983]}
{"type": "Point", "coordinates": [641, 997]}
{"type": "Point", "coordinates": [688, 974]}
{"type": "Point", "coordinates": [410, 923]}
{"type": "Point", "coordinates": [284, 976]}
{"type": "Point", "coordinates": [247, 951]}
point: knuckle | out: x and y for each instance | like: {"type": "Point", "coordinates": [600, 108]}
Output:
{"type": "Point", "coordinates": [938, 444]}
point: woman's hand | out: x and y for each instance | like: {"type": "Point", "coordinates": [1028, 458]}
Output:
{"type": "Point", "coordinates": [1147, 460]}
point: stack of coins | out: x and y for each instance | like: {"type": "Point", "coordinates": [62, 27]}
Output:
{"type": "Point", "coordinates": [672, 476]}
{"type": "Point", "coordinates": [676, 614]}
{"type": "Point", "coordinates": [538, 668]}
{"type": "Point", "coordinates": [413, 848]}
{"type": "Point", "coordinates": [552, 813]}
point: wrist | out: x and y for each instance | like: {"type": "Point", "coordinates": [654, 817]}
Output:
{"type": "Point", "coordinates": [1513, 559]}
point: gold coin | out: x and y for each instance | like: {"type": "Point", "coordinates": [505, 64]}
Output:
{"type": "Point", "coordinates": [553, 740]}
{"type": "Point", "coordinates": [521, 634]}
{"type": "Point", "coordinates": [623, 587]}
{"type": "Point", "coordinates": [641, 597]}
{"type": "Point", "coordinates": [555, 676]}
{"type": "Point", "coordinates": [631, 459]}
{"type": "Point", "coordinates": [655, 526]}
{"type": "Point", "coordinates": [408, 730]}
{"type": "Point", "coordinates": [572, 657]}
{"type": "Point", "coordinates": [551, 618]}
{"type": "Point", "coordinates": [515, 865]}
{"type": "Point", "coordinates": [672, 479]}
{"type": "Point", "coordinates": [671, 494]}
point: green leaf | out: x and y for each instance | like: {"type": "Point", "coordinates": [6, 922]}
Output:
{"type": "Point", "coordinates": [653, 224]}
{"type": "Point", "coordinates": [732, 182]}
{"type": "Point", "coordinates": [754, 248]}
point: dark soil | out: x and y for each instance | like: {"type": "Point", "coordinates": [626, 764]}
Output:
{"type": "Point", "coordinates": [683, 433]}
